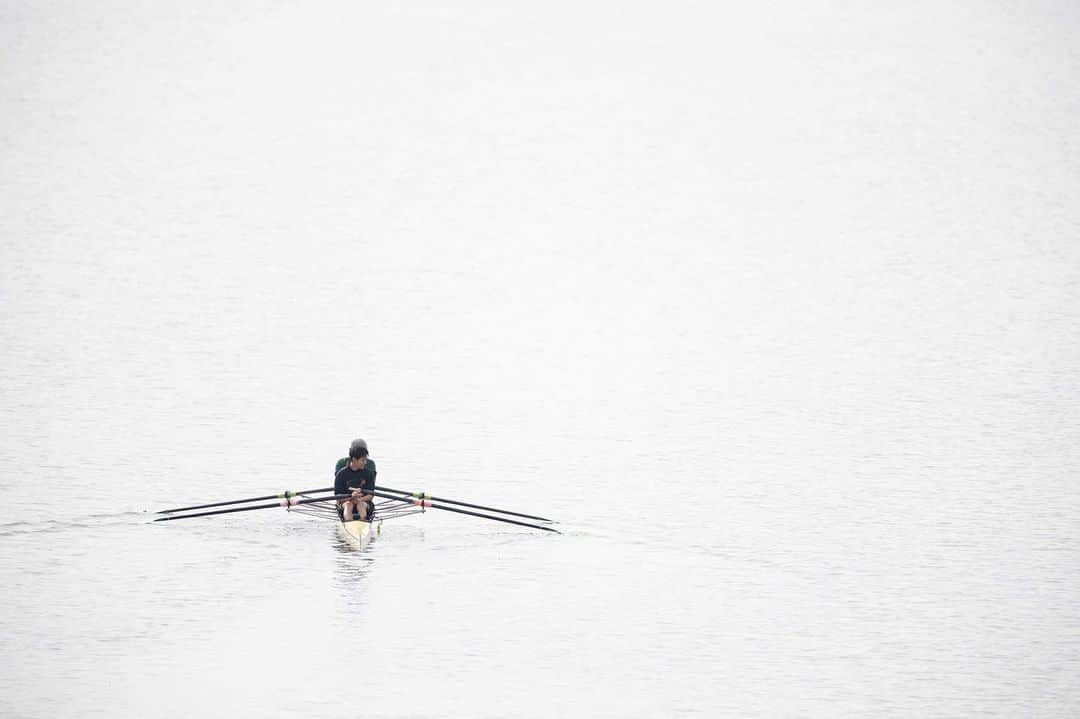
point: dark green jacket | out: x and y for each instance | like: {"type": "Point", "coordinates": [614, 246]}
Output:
{"type": "Point", "coordinates": [368, 471]}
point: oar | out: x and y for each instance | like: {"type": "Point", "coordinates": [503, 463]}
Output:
{"type": "Point", "coordinates": [425, 495]}
{"type": "Point", "coordinates": [285, 502]}
{"type": "Point", "coordinates": [281, 495]}
{"type": "Point", "coordinates": [429, 505]}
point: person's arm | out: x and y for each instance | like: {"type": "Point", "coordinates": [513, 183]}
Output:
{"type": "Point", "coordinates": [339, 483]}
{"type": "Point", "coordinates": [367, 492]}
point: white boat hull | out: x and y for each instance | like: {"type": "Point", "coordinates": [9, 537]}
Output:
{"type": "Point", "coordinates": [360, 532]}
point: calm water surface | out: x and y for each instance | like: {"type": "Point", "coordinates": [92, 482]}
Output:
{"type": "Point", "coordinates": [775, 309]}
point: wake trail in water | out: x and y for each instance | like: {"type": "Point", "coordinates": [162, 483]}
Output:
{"type": "Point", "coordinates": [82, 521]}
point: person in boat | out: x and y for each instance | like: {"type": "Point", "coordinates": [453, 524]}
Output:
{"type": "Point", "coordinates": [355, 476]}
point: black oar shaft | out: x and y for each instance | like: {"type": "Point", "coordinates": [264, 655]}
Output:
{"type": "Point", "coordinates": [429, 505]}
{"type": "Point", "coordinates": [422, 495]}
{"type": "Point", "coordinates": [288, 502]}
{"type": "Point", "coordinates": [281, 495]}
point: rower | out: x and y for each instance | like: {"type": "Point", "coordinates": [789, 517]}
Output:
{"type": "Point", "coordinates": [356, 477]}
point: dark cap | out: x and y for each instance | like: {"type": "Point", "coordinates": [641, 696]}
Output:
{"type": "Point", "coordinates": [358, 449]}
